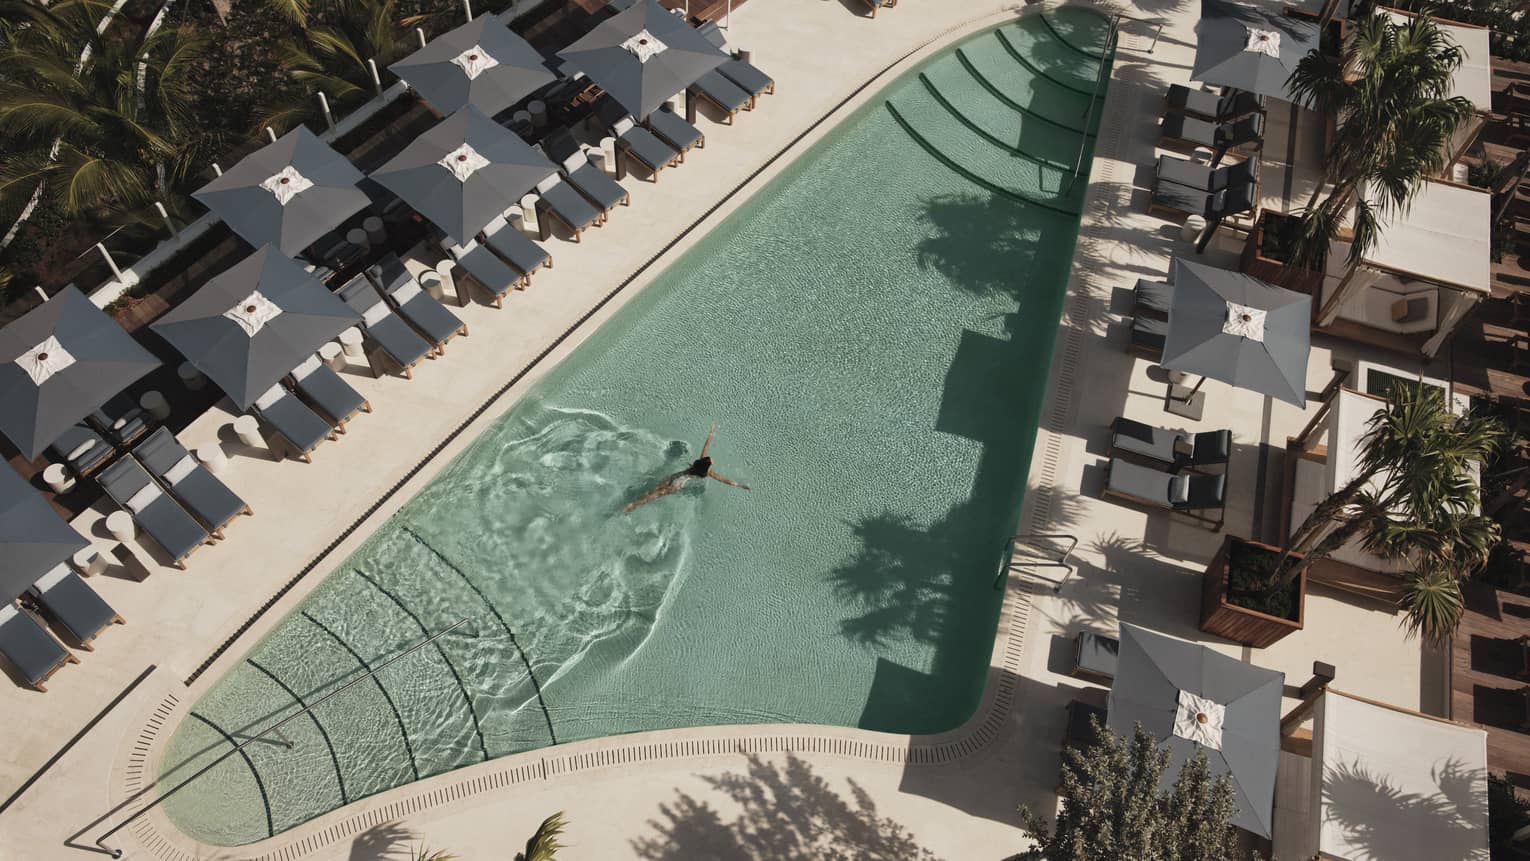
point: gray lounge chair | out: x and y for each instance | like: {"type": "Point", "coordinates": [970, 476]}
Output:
{"type": "Point", "coordinates": [1181, 200]}
{"type": "Point", "coordinates": [1152, 298]}
{"type": "Point", "coordinates": [592, 182]}
{"type": "Point", "coordinates": [1187, 494]}
{"type": "Point", "coordinates": [678, 134]}
{"type": "Point", "coordinates": [300, 427]}
{"type": "Point", "coordinates": [724, 95]}
{"type": "Point", "coordinates": [485, 267]}
{"type": "Point", "coordinates": [1178, 128]}
{"type": "Point", "coordinates": [157, 514]}
{"type": "Point", "coordinates": [1094, 657]}
{"type": "Point", "coordinates": [81, 449]}
{"type": "Point", "coordinates": [567, 206]}
{"type": "Point", "coordinates": [741, 72]}
{"type": "Point", "coordinates": [1144, 442]}
{"type": "Point", "coordinates": [420, 309]}
{"type": "Point", "coordinates": [1203, 177]}
{"type": "Point", "coordinates": [121, 420]}
{"type": "Point", "coordinates": [322, 387]}
{"type": "Point", "coordinates": [391, 337]}
{"type": "Point", "coordinates": [634, 141]}
{"type": "Point", "coordinates": [516, 248]}
{"type": "Point", "coordinates": [1231, 104]}
{"type": "Point", "coordinates": [1148, 336]}
{"type": "Point", "coordinates": [203, 493]}
{"type": "Point", "coordinates": [30, 648]}
{"type": "Point", "coordinates": [72, 606]}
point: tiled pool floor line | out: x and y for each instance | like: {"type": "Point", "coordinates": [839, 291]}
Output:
{"type": "Point", "coordinates": [686, 794]}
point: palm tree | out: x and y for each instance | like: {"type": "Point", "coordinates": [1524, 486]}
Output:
{"type": "Point", "coordinates": [1414, 498]}
{"type": "Point", "coordinates": [113, 132]}
{"type": "Point", "coordinates": [544, 845]}
{"type": "Point", "coordinates": [1389, 94]}
{"type": "Point", "coordinates": [334, 59]}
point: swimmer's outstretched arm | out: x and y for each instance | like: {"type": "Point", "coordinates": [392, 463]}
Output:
{"type": "Point", "coordinates": [728, 481]}
{"type": "Point", "coordinates": [704, 446]}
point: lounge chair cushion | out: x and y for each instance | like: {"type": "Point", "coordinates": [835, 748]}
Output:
{"type": "Point", "coordinates": [1182, 198]}
{"type": "Point", "coordinates": [306, 367]}
{"type": "Point", "coordinates": [1155, 296]}
{"type": "Point", "coordinates": [374, 315]}
{"type": "Point", "coordinates": [79, 451]}
{"type": "Point", "coordinates": [674, 130]}
{"type": "Point", "coordinates": [170, 525]}
{"type": "Point", "coordinates": [747, 76]}
{"type": "Point", "coordinates": [28, 647]}
{"type": "Point", "coordinates": [549, 184]}
{"type": "Point", "coordinates": [143, 498]}
{"type": "Point", "coordinates": [726, 94]}
{"type": "Point", "coordinates": [183, 467]}
{"type": "Point", "coordinates": [1203, 491]}
{"type": "Point", "coordinates": [1231, 201]}
{"type": "Point", "coordinates": [1184, 172]}
{"type": "Point", "coordinates": [270, 396]}
{"type": "Point", "coordinates": [333, 395]}
{"type": "Point", "coordinates": [1096, 655]}
{"type": "Point", "coordinates": [1149, 332]}
{"type": "Point", "coordinates": [570, 205]}
{"type": "Point", "coordinates": [641, 144]}
{"type": "Point", "coordinates": [406, 292]}
{"type": "Point", "coordinates": [294, 420]}
{"type": "Point", "coordinates": [486, 268]}
{"type": "Point", "coordinates": [54, 576]}
{"type": "Point", "coordinates": [1211, 447]}
{"type": "Point", "coordinates": [524, 254]}
{"type": "Point", "coordinates": [203, 493]}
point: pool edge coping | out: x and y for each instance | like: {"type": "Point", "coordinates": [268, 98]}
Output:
{"type": "Point", "coordinates": [138, 760]}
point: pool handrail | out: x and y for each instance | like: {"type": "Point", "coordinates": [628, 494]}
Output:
{"type": "Point", "coordinates": [273, 728]}
{"type": "Point", "coordinates": [1101, 78]}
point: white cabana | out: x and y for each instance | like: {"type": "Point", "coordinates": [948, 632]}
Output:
{"type": "Point", "coordinates": [1383, 783]}
{"type": "Point", "coordinates": [1431, 264]}
{"type": "Point", "coordinates": [1474, 78]}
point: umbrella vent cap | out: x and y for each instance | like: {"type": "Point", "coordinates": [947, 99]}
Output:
{"type": "Point", "coordinates": [463, 162]}
{"type": "Point", "coordinates": [1244, 322]}
{"type": "Point", "coordinates": [474, 62]}
{"type": "Point", "coordinates": [1199, 719]}
{"type": "Point", "coordinates": [644, 46]}
{"type": "Point", "coordinates": [44, 360]}
{"type": "Point", "coordinates": [253, 312]}
{"type": "Point", "coordinates": [1266, 42]}
{"type": "Point", "coordinates": [286, 184]}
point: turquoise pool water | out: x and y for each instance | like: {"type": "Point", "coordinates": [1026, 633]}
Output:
{"type": "Point", "coordinates": [870, 334]}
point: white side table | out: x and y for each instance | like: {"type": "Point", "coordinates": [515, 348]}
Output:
{"type": "Point", "coordinates": [191, 378]}
{"type": "Point", "coordinates": [329, 354]}
{"type": "Point", "coordinates": [155, 404]}
{"type": "Point", "coordinates": [377, 234]}
{"type": "Point", "coordinates": [522, 117]}
{"type": "Point", "coordinates": [529, 213]}
{"type": "Point", "coordinates": [248, 431]}
{"type": "Point", "coordinates": [358, 237]}
{"type": "Point", "coordinates": [538, 110]}
{"type": "Point", "coordinates": [212, 456]}
{"type": "Point", "coordinates": [1192, 228]}
{"type": "Point", "coordinates": [89, 561]}
{"type": "Point", "coordinates": [430, 282]}
{"type": "Point", "coordinates": [58, 478]}
{"type": "Point", "coordinates": [608, 151]}
{"type": "Point", "coordinates": [443, 270]}
{"type": "Point", "coordinates": [350, 343]}
{"type": "Point", "coordinates": [120, 524]}
{"type": "Point", "coordinates": [597, 157]}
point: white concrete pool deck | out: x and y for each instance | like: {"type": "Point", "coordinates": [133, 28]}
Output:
{"type": "Point", "coordinates": [692, 795]}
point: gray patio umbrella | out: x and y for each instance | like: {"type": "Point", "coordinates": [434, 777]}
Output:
{"type": "Point", "coordinates": [642, 56]}
{"type": "Point", "coordinates": [464, 172]}
{"type": "Point", "coordinates": [252, 324]}
{"type": "Point", "coordinates": [482, 63]}
{"type": "Point", "coordinates": [1197, 700]}
{"type": "Point", "coordinates": [287, 193]}
{"type": "Point", "coordinates": [1254, 48]}
{"type": "Point", "coordinates": [59, 362]}
{"type": "Point", "coordinates": [1235, 328]}
{"type": "Point", "coordinates": [33, 537]}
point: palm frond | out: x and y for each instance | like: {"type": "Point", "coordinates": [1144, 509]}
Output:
{"type": "Point", "coordinates": [1432, 605]}
{"type": "Point", "coordinates": [544, 844]}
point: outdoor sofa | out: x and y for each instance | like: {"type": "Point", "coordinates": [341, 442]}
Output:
{"type": "Point", "coordinates": [81, 449]}
{"type": "Point", "coordinates": [172, 527]}
{"type": "Point", "coordinates": [29, 648]}
{"type": "Point", "coordinates": [72, 606]}
{"type": "Point", "coordinates": [120, 419]}
{"type": "Point", "coordinates": [192, 484]}
{"type": "Point", "coordinates": [1188, 494]}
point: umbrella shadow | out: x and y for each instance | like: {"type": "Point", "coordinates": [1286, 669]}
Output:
{"type": "Point", "coordinates": [782, 812]}
{"type": "Point", "coordinates": [1368, 807]}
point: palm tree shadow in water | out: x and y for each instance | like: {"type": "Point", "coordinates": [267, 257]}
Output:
{"type": "Point", "coordinates": [786, 812]}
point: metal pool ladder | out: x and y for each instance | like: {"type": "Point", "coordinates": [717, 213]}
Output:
{"type": "Point", "coordinates": [1034, 539]}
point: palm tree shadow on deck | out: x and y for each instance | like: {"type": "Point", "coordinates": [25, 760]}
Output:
{"type": "Point", "coordinates": [786, 812]}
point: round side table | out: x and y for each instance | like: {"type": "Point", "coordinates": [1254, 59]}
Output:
{"type": "Point", "coordinates": [57, 477]}
{"type": "Point", "coordinates": [329, 354]}
{"type": "Point", "coordinates": [358, 237]}
{"type": "Point", "coordinates": [212, 456]}
{"type": "Point", "coordinates": [350, 343]}
{"type": "Point", "coordinates": [191, 378]}
{"type": "Point", "coordinates": [248, 431]}
{"type": "Point", "coordinates": [89, 561]}
{"type": "Point", "coordinates": [377, 234]}
{"type": "Point", "coordinates": [538, 110]}
{"type": "Point", "coordinates": [120, 524]}
{"type": "Point", "coordinates": [1192, 228]}
{"type": "Point", "coordinates": [155, 404]}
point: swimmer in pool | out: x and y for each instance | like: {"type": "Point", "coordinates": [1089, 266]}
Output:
{"type": "Point", "coordinates": [701, 468]}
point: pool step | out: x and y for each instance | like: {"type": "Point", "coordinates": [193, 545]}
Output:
{"type": "Point", "coordinates": [1032, 43]}
{"type": "Point", "coordinates": [978, 157]}
{"type": "Point", "coordinates": [1002, 123]}
{"type": "Point", "coordinates": [1020, 86]}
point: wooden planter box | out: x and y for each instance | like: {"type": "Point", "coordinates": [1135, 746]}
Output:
{"type": "Point", "coordinates": [1252, 262]}
{"type": "Point", "coordinates": [1241, 625]}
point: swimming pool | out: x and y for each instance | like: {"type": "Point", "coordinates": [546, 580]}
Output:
{"type": "Point", "coordinates": [870, 333]}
